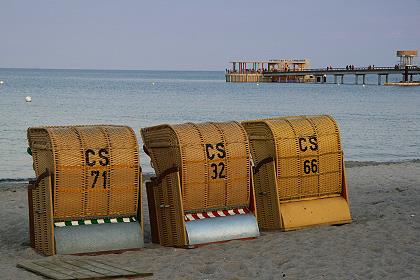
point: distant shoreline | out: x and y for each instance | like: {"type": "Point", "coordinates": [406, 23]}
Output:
{"type": "Point", "coordinates": [92, 69]}
{"type": "Point", "coordinates": [147, 175]}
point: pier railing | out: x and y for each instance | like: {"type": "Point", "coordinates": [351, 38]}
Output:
{"type": "Point", "coordinates": [351, 70]}
{"type": "Point", "coordinates": [320, 74]}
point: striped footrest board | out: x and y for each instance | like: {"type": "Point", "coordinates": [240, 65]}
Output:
{"type": "Point", "coordinates": [214, 214]}
{"type": "Point", "coordinates": [95, 221]}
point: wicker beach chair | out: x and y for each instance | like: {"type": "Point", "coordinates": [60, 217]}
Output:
{"type": "Point", "coordinates": [87, 196]}
{"type": "Point", "coordinates": [299, 172]}
{"type": "Point", "coordinates": [203, 191]}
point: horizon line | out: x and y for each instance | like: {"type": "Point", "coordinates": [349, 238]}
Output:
{"type": "Point", "coordinates": [104, 69]}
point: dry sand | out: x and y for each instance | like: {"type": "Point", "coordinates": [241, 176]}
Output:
{"type": "Point", "coordinates": [383, 242]}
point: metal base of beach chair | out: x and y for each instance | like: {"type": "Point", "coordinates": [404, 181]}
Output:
{"type": "Point", "coordinates": [221, 229]}
{"type": "Point", "coordinates": [327, 211]}
{"type": "Point", "coordinates": [98, 237]}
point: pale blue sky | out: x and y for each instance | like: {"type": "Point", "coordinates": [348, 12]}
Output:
{"type": "Point", "coordinates": [203, 35]}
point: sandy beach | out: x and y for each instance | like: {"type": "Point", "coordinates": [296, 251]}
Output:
{"type": "Point", "coordinates": [383, 242]}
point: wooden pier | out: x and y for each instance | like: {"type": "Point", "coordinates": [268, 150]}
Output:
{"type": "Point", "coordinates": [359, 73]}
{"type": "Point", "coordinates": [298, 71]}
{"type": "Point", "coordinates": [320, 75]}
{"type": "Point", "coordinates": [242, 73]}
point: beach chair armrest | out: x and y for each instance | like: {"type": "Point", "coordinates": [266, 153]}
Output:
{"type": "Point", "coordinates": [267, 160]}
{"type": "Point", "coordinates": [165, 173]}
{"type": "Point", "coordinates": [40, 178]}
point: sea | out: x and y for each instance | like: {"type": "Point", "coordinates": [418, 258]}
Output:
{"type": "Point", "coordinates": [377, 123]}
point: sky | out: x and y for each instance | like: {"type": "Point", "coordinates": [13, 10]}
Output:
{"type": "Point", "coordinates": [203, 35]}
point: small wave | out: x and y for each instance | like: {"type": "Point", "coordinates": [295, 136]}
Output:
{"type": "Point", "coordinates": [350, 164]}
{"type": "Point", "coordinates": [15, 180]}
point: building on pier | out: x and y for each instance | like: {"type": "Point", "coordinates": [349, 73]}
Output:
{"type": "Point", "coordinates": [406, 57]}
{"type": "Point", "coordinates": [253, 71]}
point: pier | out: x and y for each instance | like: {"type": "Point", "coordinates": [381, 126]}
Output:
{"type": "Point", "coordinates": [359, 73]}
{"type": "Point", "coordinates": [256, 71]}
{"type": "Point", "coordinates": [298, 71]}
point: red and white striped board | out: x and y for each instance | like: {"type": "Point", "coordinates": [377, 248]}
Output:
{"type": "Point", "coordinates": [214, 214]}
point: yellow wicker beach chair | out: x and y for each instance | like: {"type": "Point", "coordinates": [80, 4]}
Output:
{"type": "Point", "coordinates": [203, 191]}
{"type": "Point", "coordinates": [299, 172]}
{"type": "Point", "coordinates": [87, 196]}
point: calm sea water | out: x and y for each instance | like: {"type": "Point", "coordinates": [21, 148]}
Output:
{"type": "Point", "coordinates": [377, 123]}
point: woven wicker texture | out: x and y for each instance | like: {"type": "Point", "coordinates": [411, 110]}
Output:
{"type": "Point", "coordinates": [95, 169]}
{"type": "Point", "coordinates": [41, 196]}
{"type": "Point", "coordinates": [151, 203]}
{"type": "Point", "coordinates": [266, 195]}
{"type": "Point", "coordinates": [308, 162]}
{"type": "Point", "coordinates": [169, 212]}
{"type": "Point", "coordinates": [214, 172]}
{"type": "Point", "coordinates": [213, 159]}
